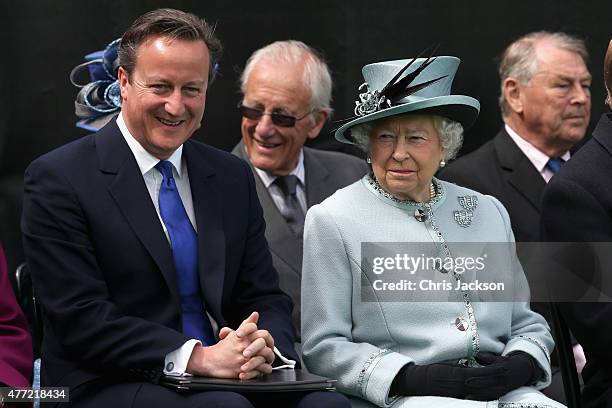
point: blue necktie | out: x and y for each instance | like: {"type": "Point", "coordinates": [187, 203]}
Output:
{"type": "Point", "coordinates": [554, 164]}
{"type": "Point", "coordinates": [184, 243]}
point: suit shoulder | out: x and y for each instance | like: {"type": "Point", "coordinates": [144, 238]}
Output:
{"type": "Point", "coordinates": [338, 161]}
{"type": "Point", "coordinates": [483, 154]}
{"type": "Point", "coordinates": [67, 156]}
{"type": "Point", "coordinates": [332, 155]}
{"type": "Point", "coordinates": [588, 165]}
{"type": "Point", "coordinates": [215, 155]}
{"type": "Point", "coordinates": [329, 156]}
{"type": "Point", "coordinates": [477, 169]}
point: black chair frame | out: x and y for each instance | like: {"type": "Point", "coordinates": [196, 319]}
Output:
{"type": "Point", "coordinates": [567, 363]}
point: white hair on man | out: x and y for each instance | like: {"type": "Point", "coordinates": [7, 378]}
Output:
{"type": "Point", "coordinates": [317, 77]}
{"type": "Point", "coordinates": [519, 59]}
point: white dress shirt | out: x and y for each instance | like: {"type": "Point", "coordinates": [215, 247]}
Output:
{"type": "Point", "coordinates": [276, 193]}
{"type": "Point", "coordinates": [535, 156]}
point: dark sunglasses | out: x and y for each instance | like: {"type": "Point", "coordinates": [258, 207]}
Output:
{"type": "Point", "coordinates": [279, 119]}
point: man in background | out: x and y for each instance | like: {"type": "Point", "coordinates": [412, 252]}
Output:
{"type": "Point", "coordinates": [545, 103]}
{"type": "Point", "coordinates": [287, 94]}
{"type": "Point", "coordinates": [577, 207]}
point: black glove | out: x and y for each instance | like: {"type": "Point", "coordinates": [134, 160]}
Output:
{"type": "Point", "coordinates": [443, 380]}
{"type": "Point", "coordinates": [522, 369]}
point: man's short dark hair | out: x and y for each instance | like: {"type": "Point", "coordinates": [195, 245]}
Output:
{"type": "Point", "coordinates": [171, 24]}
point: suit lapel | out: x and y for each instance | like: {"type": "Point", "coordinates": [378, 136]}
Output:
{"type": "Point", "coordinates": [128, 189]}
{"type": "Point", "coordinates": [603, 130]}
{"type": "Point", "coordinates": [281, 240]}
{"type": "Point", "coordinates": [208, 207]}
{"type": "Point", "coordinates": [316, 175]}
{"type": "Point", "coordinates": [518, 169]}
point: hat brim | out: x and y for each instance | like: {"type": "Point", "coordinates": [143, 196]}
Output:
{"type": "Point", "coordinates": [460, 108]}
{"type": "Point", "coordinates": [95, 124]}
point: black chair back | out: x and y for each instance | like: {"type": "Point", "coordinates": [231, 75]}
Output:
{"type": "Point", "coordinates": [563, 340]}
{"type": "Point", "coordinates": [27, 300]}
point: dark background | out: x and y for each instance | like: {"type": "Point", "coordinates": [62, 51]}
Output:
{"type": "Point", "coordinates": [41, 41]}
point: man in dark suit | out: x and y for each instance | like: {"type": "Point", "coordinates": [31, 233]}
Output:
{"type": "Point", "coordinates": [545, 103]}
{"type": "Point", "coordinates": [577, 207]}
{"type": "Point", "coordinates": [142, 242]}
{"type": "Point", "coordinates": [287, 93]}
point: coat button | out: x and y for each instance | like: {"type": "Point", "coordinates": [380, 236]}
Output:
{"type": "Point", "coordinates": [170, 366]}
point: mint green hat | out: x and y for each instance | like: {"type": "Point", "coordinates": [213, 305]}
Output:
{"type": "Point", "coordinates": [418, 85]}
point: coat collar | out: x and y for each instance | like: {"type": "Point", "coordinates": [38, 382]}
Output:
{"type": "Point", "coordinates": [603, 130]}
{"type": "Point", "coordinates": [316, 176]}
{"type": "Point", "coordinates": [208, 205]}
{"type": "Point", "coordinates": [283, 243]}
{"type": "Point", "coordinates": [518, 171]}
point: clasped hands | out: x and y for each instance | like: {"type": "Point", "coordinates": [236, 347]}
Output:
{"type": "Point", "coordinates": [244, 353]}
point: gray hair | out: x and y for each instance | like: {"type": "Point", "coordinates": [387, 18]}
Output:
{"type": "Point", "coordinates": [317, 77]}
{"type": "Point", "coordinates": [450, 134]}
{"type": "Point", "coordinates": [171, 24]}
{"type": "Point", "coordinates": [519, 59]}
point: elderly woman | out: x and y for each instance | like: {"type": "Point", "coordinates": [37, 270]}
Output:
{"type": "Point", "coordinates": [400, 351]}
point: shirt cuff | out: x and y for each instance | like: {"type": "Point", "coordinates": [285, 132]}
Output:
{"type": "Point", "coordinates": [287, 363]}
{"type": "Point", "coordinates": [176, 361]}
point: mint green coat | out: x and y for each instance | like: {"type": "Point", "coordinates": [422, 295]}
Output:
{"type": "Point", "coordinates": [363, 344]}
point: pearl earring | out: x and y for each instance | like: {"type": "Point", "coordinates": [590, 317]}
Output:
{"type": "Point", "coordinates": [442, 163]}
{"type": "Point", "coordinates": [368, 160]}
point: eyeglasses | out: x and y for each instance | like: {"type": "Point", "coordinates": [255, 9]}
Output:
{"type": "Point", "coordinates": [279, 119]}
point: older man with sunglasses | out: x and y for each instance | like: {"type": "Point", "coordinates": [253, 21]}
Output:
{"type": "Point", "coordinates": [287, 93]}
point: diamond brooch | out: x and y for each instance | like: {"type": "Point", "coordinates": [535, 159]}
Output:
{"type": "Point", "coordinates": [464, 217]}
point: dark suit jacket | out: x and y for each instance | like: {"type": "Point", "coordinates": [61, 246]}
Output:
{"type": "Point", "coordinates": [325, 172]}
{"type": "Point", "coordinates": [499, 168]}
{"type": "Point", "coordinates": [15, 341]}
{"type": "Point", "coordinates": [577, 207]}
{"type": "Point", "coordinates": [103, 268]}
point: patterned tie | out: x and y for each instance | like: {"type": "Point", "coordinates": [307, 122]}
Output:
{"type": "Point", "coordinates": [184, 243]}
{"type": "Point", "coordinates": [293, 213]}
{"type": "Point", "coordinates": [554, 164]}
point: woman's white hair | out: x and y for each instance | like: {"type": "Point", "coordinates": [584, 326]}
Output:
{"type": "Point", "coordinates": [450, 134]}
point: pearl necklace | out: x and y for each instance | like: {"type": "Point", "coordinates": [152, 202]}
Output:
{"type": "Point", "coordinates": [433, 194]}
